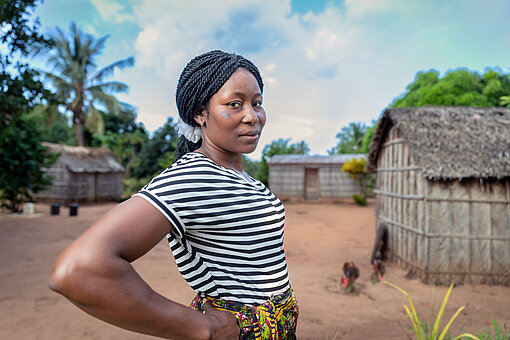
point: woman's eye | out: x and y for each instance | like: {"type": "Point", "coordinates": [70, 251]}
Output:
{"type": "Point", "coordinates": [257, 104]}
{"type": "Point", "coordinates": [235, 105]}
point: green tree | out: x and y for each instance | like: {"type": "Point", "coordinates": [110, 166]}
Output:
{"type": "Point", "coordinates": [280, 146]}
{"type": "Point", "coordinates": [459, 87]}
{"type": "Point", "coordinates": [55, 127]}
{"type": "Point", "coordinates": [250, 166]}
{"type": "Point", "coordinates": [20, 89]}
{"type": "Point", "coordinates": [367, 139]}
{"type": "Point", "coordinates": [350, 139]}
{"type": "Point", "coordinates": [21, 152]}
{"type": "Point", "coordinates": [124, 137]}
{"type": "Point", "coordinates": [23, 158]}
{"type": "Point", "coordinates": [158, 153]}
{"type": "Point", "coordinates": [82, 90]}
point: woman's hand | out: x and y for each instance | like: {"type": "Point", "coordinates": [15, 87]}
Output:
{"type": "Point", "coordinates": [223, 324]}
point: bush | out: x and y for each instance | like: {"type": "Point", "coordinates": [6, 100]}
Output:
{"type": "Point", "coordinates": [360, 200]}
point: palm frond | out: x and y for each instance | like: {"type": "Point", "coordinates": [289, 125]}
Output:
{"type": "Point", "coordinates": [97, 47]}
{"type": "Point", "coordinates": [108, 101]}
{"type": "Point", "coordinates": [107, 71]}
{"type": "Point", "coordinates": [94, 122]}
{"type": "Point", "coordinates": [109, 87]}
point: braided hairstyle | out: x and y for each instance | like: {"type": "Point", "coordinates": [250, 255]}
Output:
{"type": "Point", "coordinates": [202, 77]}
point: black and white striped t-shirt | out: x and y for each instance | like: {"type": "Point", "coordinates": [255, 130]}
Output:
{"type": "Point", "coordinates": [227, 239]}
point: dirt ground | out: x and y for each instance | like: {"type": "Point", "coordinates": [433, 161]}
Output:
{"type": "Point", "coordinates": [319, 238]}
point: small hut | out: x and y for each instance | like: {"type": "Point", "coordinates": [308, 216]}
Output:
{"type": "Point", "coordinates": [83, 174]}
{"type": "Point", "coordinates": [443, 191]}
{"type": "Point", "coordinates": [298, 177]}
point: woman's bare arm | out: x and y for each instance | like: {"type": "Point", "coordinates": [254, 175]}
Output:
{"type": "Point", "coordinates": [95, 273]}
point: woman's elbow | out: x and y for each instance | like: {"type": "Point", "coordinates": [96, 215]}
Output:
{"type": "Point", "coordinates": [61, 278]}
{"type": "Point", "coordinates": [70, 275]}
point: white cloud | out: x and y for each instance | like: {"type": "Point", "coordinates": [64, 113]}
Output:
{"type": "Point", "coordinates": [296, 56]}
{"type": "Point", "coordinates": [321, 70]}
{"type": "Point", "coordinates": [112, 10]}
{"type": "Point", "coordinates": [358, 8]}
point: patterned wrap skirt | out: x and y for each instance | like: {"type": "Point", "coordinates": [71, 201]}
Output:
{"type": "Point", "coordinates": [276, 319]}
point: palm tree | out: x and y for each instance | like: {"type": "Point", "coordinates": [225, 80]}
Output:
{"type": "Point", "coordinates": [79, 88]}
{"type": "Point", "coordinates": [350, 138]}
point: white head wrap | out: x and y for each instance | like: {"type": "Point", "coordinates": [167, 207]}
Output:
{"type": "Point", "coordinates": [191, 133]}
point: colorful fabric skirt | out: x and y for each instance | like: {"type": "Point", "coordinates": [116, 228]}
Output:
{"type": "Point", "coordinates": [276, 319]}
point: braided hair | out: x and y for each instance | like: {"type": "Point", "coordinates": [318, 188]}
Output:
{"type": "Point", "coordinates": [202, 77]}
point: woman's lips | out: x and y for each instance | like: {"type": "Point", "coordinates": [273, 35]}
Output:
{"type": "Point", "coordinates": [252, 135]}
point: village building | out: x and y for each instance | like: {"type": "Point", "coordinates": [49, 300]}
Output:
{"type": "Point", "coordinates": [303, 177]}
{"type": "Point", "coordinates": [443, 191]}
{"type": "Point", "coordinates": [82, 174]}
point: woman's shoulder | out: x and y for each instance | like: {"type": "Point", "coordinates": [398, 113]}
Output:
{"type": "Point", "coordinates": [190, 161]}
{"type": "Point", "coordinates": [190, 167]}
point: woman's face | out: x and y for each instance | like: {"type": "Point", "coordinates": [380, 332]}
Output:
{"type": "Point", "coordinates": [234, 118]}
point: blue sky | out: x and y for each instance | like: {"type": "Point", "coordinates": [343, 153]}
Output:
{"type": "Point", "coordinates": [325, 63]}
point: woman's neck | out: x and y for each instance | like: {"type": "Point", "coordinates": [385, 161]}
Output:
{"type": "Point", "coordinates": [226, 160]}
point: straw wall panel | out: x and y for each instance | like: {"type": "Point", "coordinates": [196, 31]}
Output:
{"type": "Point", "coordinates": [460, 247]}
{"type": "Point", "coordinates": [443, 230]}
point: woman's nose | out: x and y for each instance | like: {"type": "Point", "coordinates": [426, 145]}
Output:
{"type": "Point", "coordinates": [250, 116]}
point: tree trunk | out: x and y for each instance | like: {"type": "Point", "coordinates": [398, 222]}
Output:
{"type": "Point", "coordinates": [79, 132]}
{"type": "Point", "coordinates": [364, 186]}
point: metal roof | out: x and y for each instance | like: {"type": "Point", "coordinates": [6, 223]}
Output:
{"type": "Point", "coordinates": [313, 159]}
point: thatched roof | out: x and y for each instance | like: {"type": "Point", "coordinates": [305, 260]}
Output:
{"type": "Point", "coordinates": [450, 142]}
{"type": "Point", "coordinates": [313, 159]}
{"type": "Point", "coordinates": [79, 159]}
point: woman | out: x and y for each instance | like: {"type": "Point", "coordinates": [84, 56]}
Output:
{"type": "Point", "coordinates": [225, 228]}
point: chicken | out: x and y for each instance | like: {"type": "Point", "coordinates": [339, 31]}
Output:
{"type": "Point", "coordinates": [351, 273]}
{"type": "Point", "coordinates": [378, 271]}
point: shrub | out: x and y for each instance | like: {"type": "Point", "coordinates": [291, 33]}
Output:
{"type": "Point", "coordinates": [360, 200]}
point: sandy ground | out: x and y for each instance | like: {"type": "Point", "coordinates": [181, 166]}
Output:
{"type": "Point", "coordinates": [319, 238]}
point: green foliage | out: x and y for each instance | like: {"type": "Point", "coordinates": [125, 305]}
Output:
{"type": "Point", "coordinates": [21, 152]}
{"type": "Point", "coordinates": [23, 158]}
{"type": "Point", "coordinates": [278, 147]}
{"type": "Point", "coordinates": [80, 88]}
{"type": "Point", "coordinates": [131, 185]}
{"type": "Point", "coordinates": [421, 330]}
{"type": "Point", "coordinates": [251, 167]}
{"type": "Point", "coordinates": [505, 101]}
{"type": "Point", "coordinates": [124, 137]}
{"type": "Point", "coordinates": [157, 153]}
{"type": "Point", "coordinates": [367, 139]}
{"type": "Point", "coordinates": [355, 167]}
{"type": "Point", "coordinates": [494, 332]}
{"type": "Point", "coordinates": [350, 139]}
{"type": "Point", "coordinates": [54, 128]}
{"type": "Point", "coordinates": [460, 87]}
{"type": "Point", "coordinates": [360, 200]}
{"type": "Point", "coordinates": [20, 89]}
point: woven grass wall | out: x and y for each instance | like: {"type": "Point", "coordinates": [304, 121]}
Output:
{"type": "Point", "coordinates": [442, 231]}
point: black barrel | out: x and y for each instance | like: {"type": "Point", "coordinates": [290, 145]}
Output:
{"type": "Point", "coordinates": [73, 209]}
{"type": "Point", "coordinates": [55, 208]}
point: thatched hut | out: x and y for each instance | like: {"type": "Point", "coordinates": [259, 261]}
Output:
{"type": "Point", "coordinates": [443, 191]}
{"type": "Point", "coordinates": [303, 177]}
{"type": "Point", "coordinates": [83, 174]}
